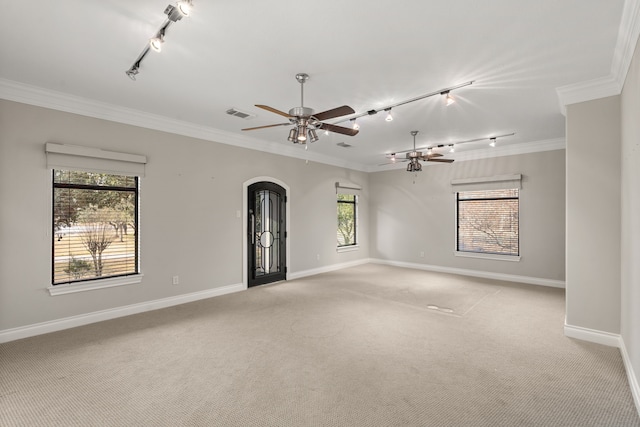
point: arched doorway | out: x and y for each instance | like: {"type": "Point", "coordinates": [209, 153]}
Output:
{"type": "Point", "coordinates": [266, 233]}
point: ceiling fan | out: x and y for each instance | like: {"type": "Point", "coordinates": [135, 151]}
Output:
{"type": "Point", "coordinates": [414, 157]}
{"type": "Point", "coordinates": [306, 121]}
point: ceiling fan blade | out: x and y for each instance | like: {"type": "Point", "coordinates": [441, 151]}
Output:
{"type": "Point", "coordinates": [336, 112]}
{"type": "Point", "coordinates": [394, 163]}
{"type": "Point", "coordinates": [268, 126]}
{"type": "Point", "coordinates": [273, 110]}
{"type": "Point", "coordinates": [338, 129]}
{"type": "Point", "coordinates": [440, 160]}
{"type": "Point", "coordinates": [428, 156]}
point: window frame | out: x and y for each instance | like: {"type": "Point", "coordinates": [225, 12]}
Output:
{"type": "Point", "coordinates": [355, 245]}
{"type": "Point", "coordinates": [487, 255]}
{"type": "Point", "coordinates": [93, 283]}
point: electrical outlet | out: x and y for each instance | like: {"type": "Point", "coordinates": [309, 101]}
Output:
{"type": "Point", "coordinates": [176, 280]}
{"type": "Point", "coordinates": [422, 254]}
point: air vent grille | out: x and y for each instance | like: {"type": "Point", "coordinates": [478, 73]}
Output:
{"type": "Point", "coordinates": [238, 113]}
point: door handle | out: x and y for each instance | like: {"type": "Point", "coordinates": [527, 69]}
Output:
{"type": "Point", "coordinates": [253, 229]}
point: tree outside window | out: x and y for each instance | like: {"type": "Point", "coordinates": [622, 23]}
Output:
{"type": "Point", "coordinates": [488, 221]}
{"type": "Point", "coordinates": [94, 226]}
{"type": "Point", "coordinates": [347, 220]}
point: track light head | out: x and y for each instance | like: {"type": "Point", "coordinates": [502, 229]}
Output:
{"type": "Point", "coordinates": [185, 7]}
{"type": "Point", "coordinates": [389, 117]}
{"type": "Point", "coordinates": [182, 8]}
{"type": "Point", "coordinates": [493, 142]}
{"type": "Point", "coordinates": [131, 72]}
{"type": "Point", "coordinates": [156, 44]}
{"type": "Point", "coordinates": [448, 98]}
{"type": "Point", "coordinates": [356, 126]}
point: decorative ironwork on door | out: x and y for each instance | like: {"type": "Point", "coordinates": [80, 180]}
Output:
{"type": "Point", "coordinates": [267, 233]}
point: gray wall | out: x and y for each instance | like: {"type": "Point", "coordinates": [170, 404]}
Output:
{"type": "Point", "coordinates": [593, 215]}
{"type": "Point", "coordinates": [189, 199]}
{"type": "Point", "coordinates": [630, 224]}
{"type": "Point", "coordinates": [408, 218]}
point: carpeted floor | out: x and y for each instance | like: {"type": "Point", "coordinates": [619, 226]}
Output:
{"type": "Point", "coordinates": [366, 346]}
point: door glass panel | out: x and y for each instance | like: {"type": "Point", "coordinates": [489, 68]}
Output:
{"type": "Point", "coordinates": [267, 234]}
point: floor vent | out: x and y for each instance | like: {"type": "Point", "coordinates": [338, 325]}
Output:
{"type": "Point", "coordinates": [238, 113]}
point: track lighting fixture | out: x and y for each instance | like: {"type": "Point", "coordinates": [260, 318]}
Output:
{"type": "Point", "coordinates": [185, 7]}
{"type": "Point", "coordinates": [174, 14]}
{"type": "Point", "coordinates": [493, 142]}
{"type": "Point", "coordinates": [445, 91]}
{"type": "Point", "coordinates": [452, 149]}
{"type": "Point", "coordinates": [355, 126]}
{"type": "Point", "coordinates": [448, 98]}
{"type": "Point", "coordinates": [156, 43]}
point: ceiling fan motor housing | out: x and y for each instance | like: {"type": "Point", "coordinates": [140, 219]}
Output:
{"type": "Point", "coordinates": [301, 112]}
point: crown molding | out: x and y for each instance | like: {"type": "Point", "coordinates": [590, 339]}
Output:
{"type": "Point", "coordinates": [587, 91]}
{"type": "Point", "coordinates": [610, 85]}
{"type": "Point", "coordinates": [33, 95]}
{"type": "Point", "coordinates": [513, 149]}
{"type": "Point", "coordinates": [628, 34]}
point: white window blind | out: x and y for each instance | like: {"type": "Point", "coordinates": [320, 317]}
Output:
{"type": "Point", "coordinates": [348, 188]}
{"type": "Point", "coordinates": [498, 182]}
{"type": "Point", "coordinates": [88, 159]}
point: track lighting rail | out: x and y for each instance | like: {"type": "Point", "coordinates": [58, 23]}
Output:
{"type": "Point", "coordinates": [388, 108]}
{"type": "Point", "coordinates": [174, 14]}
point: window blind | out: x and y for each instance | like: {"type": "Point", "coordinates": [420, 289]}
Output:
{"type": "Point", "coordinates": [348, 188]}
{"type": "Point", "coordinates": [89, 159]}
{"type": "Point", "coordinates": [498, 182]}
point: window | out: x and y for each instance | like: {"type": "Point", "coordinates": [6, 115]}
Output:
{"type": "Point", "coordinates": [95, 226]}
{"type": "Point", "coordinates": [347, 220]}
{"type": "Point", "coordinates": [488, 221]}
{"type": "Point", "coordinates": [94, 217]}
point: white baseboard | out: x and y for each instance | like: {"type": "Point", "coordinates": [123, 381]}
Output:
{"type": "Point", "coordinates": [98, 316]}
{"type": "Point", "coordinates": [475, 273]}
{"type": "Point", "coordinates": [631, 376]}
{"type": "Point", "coordinates": [327, 268]}
{"type": "Point", "coordinates": [592, 335]}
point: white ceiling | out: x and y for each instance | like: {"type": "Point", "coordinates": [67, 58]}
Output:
{"type": "Point", "coordinates": [365, 54]}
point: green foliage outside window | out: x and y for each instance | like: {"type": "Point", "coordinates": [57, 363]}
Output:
{"type": "Point", "coordinates": [94, 225]}
{"type": "Point", "coordinates": [346, 220]}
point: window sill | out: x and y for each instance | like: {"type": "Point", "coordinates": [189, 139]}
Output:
{"type": "Point", "coordinates": [347, 248]}
{"type": "Point", "coordinates": [494, 257]}
{"type": "Point", "coordinates": [91, 285]}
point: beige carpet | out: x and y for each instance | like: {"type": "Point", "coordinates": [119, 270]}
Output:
{"type": "Point", "coordinates": [366, 346]}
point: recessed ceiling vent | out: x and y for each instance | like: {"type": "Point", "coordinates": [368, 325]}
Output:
{"type": "Point", "coordinates": [344, 145]}
{"type": "Point", "coordinates": [241, 114]}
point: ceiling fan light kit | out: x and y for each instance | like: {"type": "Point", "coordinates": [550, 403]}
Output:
{"type": "Point", "coordinates": [306, 121]}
